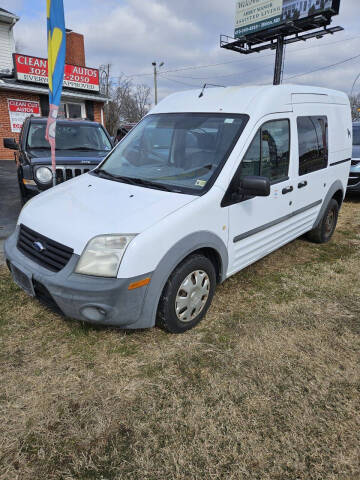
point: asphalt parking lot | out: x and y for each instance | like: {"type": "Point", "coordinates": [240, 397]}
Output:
{"type": "Point", "coordinates": [9, 201]}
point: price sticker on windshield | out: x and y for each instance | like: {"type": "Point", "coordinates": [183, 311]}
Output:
{"type": "Point", "coordinates": [200, 183]}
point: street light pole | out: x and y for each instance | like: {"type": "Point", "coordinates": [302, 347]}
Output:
{"type": "Point", "coordinates": [154, 64]}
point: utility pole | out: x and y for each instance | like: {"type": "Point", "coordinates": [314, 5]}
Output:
{"type": "Point", "coordinates": [156, 71]}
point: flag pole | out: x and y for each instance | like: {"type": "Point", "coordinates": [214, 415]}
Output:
{"type": "Point", "coordinates": [56, 35]}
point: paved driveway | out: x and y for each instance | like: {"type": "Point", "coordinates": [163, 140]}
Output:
{"type": "Point", "coordinates": [9, 201]}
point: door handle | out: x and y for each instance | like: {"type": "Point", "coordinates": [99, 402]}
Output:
{"type": "Point", "coordinates": [287, 190]}
{"type": "Point", "coordinates": [303, 184]}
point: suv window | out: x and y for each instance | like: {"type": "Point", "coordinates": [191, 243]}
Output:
{"type": "Point", "coordinates": [69, 137]}
{"type": "Point", "coordinates": [269, 152]}
{"type": "Point", "coordinates": [313, 143]}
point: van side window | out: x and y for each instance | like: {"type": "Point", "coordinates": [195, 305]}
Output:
{"type": "Point", "coordinates": [269, 152]}
{"type": "Point", "coordinates": [313, 143]}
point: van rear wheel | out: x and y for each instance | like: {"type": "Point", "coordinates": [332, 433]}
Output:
{"type": "Point", "coordinates": [187, 294]}
{"type": "Point", "coordinates": [326, 228]}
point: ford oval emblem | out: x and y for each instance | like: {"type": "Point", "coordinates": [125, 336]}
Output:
{"type": "Point", "coordinates": [38, 246]}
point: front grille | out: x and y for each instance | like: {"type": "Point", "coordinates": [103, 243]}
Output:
{"type": "Point", "coordinates": [67, 172]}
{"type": "Point", "coordinates": [354, 179]}
{"type": "Point", "coordinates": [54, 257]}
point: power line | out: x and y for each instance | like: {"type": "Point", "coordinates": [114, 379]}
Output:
{"type": "Point", "coordinates": [178, 81]}
{"type": "Point", "coordinates": [263, 56]}
{"type": "Point", "coordinates": [196, 67]}
{"type": "Point", "coordinates": [324, 68]}
{"type": "Point", "coordinates": [287, 78]}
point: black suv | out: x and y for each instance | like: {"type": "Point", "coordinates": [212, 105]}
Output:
{"type": "Point", "coordinates": [80, 146]}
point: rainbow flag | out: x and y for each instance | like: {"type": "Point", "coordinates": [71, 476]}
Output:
{"type": "Point", "coordinates": [56, 63]}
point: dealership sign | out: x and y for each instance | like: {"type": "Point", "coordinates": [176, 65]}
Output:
{"type": "Point", "coordinates": [254, 16]}
{"type": "Point", "coordinates": [35, 70]}
{"type": "Point", "coordinates": [19, 110]}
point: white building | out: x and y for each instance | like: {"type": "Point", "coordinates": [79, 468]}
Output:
{"type": "Point", "coordinates": [303, 6]}
{"type": "Point", "coordinates": [7, 43]}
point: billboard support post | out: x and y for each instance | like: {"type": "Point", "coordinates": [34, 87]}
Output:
{"type": "Point", "coordinates": [279, 59]}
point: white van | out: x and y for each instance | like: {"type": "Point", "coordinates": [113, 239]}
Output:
{"type": "Point", "coordinates": [204, 186]}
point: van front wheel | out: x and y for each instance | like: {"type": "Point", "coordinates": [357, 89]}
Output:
{"type": "Point", "coordinates": [326, 228]}
{"type": "Point", "coordinates": [187, 294]}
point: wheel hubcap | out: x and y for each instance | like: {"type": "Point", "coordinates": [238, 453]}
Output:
{"type": "Point", "coordinates": [192, 296]}
{"type": "Point", "coordinates": [329, 223]}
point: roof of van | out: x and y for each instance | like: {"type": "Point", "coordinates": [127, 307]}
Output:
{"type": "Point", "coordinates": [260, 99]}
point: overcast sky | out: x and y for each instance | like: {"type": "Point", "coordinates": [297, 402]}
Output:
{"type": "Point", "coordinates": [131, 34]}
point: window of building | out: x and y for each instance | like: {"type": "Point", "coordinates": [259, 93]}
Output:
{"type": "Point", "coordinates": [313, 143]}
{"type": "Point", "coordinates": [269, 152]}
{"type": "Point", "coordinates": [72, 110]}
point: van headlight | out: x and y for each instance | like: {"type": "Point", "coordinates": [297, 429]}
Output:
{"type": "Point", "coordinates": [43, 175]}
{"type": "Point", "coordinates": [102, 255]}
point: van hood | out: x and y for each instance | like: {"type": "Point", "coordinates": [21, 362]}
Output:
{"type": "Point", "coordinates": [76, 211]}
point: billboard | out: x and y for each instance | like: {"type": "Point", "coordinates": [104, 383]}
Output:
{"type": "Point", "coordinates": [254, 16]}
{"type": "Point", "coordinates": [35, 70]}
{"type": "Point", "coordinates": [19, 110]}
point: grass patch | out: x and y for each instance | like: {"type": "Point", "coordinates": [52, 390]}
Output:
{"type": "Point", "coordinates": [267, 387]}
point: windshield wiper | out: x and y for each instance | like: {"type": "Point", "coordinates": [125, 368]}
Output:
{"type": "Point", "coordinates": [135, 181]}
{"type": "Point", "coordinates": [149, 184]}
{"type": "Point", "coordinates": [118, 178]}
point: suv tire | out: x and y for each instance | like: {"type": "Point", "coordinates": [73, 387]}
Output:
{"type": "Point", "coordinates": [187, 294]}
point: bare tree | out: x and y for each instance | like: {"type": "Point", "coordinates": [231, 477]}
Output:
{"type": "Point", "coordinates": [142, 99]}
{"type": "Point", "coordinates": [128, 103]}
{"type": "Point", "coordinates": [355, 107]}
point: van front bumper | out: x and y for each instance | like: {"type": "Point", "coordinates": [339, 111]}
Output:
{"type": "Point", "coordinates": [106, 301]}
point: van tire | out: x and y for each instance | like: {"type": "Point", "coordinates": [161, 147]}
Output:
{"type": "Point", "coordinates": [197, 272]}
{"type": "Point", "coordinates": [326, 228]}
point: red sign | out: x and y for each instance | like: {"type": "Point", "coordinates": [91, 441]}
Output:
{"type": "Point", "coordinates": [35, 69]}
{"type": "Point", "coordinates": [19, 110]}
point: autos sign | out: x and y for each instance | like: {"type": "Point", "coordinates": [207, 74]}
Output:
{"type": "Point", "coordinates": [19, 110]}
{"type": "Point", "coordinates": [35, 69]}
{"type": "Point", "coordinates": [253, 16]}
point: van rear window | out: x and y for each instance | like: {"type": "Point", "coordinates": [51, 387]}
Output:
{"type": "Point", "coordinates": [313, 143]}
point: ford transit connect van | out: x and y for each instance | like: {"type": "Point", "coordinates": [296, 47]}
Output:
{"type": "Point", "coordinates": [204, 186]}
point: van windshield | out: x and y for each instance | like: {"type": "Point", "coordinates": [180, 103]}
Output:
{"type": "Point", "coordinates": [356, 135]}
{"type": "Point", "coordinates": [181, 152]}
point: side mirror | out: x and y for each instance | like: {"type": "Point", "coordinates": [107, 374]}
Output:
{"type": "Point", "coordinates": [11, 143]}
{"type": "Point", "coordinates": [255, 186]}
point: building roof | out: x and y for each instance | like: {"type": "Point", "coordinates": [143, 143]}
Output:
{"type": "Point", "coordinates": [7, 16]}
{"type": "Point", "coordinates": [16, 86]}
{"type": "Point", "coordinates": [7, 11]}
